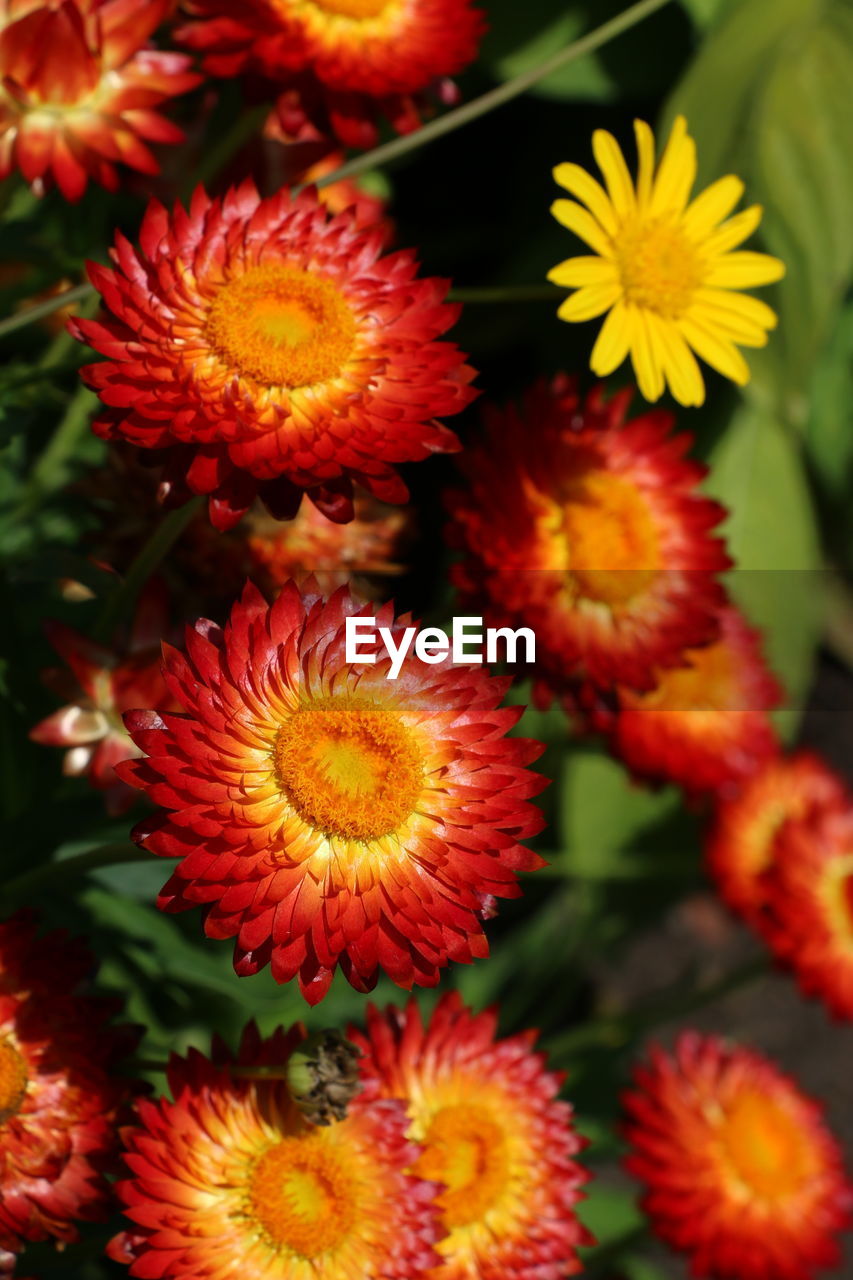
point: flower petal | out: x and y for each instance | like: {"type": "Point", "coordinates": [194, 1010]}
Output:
{"type": "Point", "coordinates": [582, 185]}
{"type": "Point", "coordinates": [645, 357]}
{"type": "Point", "coordinates": [611, 162]}
{"type": "Point", "coordinates": [744, 318]}
{"type": "Point", "coordinates": [745, 271]}
{"type": "Point", "coordinates": [735, 231]}
{"type": "Point", "coordinates": [590, 302]}
{"type": "Point", "coordinates": [645, 161]}
{"type": "Point", "coordinates": [612, 344]}
{"type": "Point", "coordinates": [576, 272]}
{"type": "Point", "coordinates": [679, 364]}
{"type": "Point", "coordinates": [715, 350]}
{"type": "Point", "coordinates": [715, 203]}
{"type": "Point", "coordinates": [676, 172]}
{"type": "Point", "coordinates": [581, 222]}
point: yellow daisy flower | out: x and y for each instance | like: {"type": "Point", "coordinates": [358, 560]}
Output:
{"type": "Point", "coordinates": [663, 269]}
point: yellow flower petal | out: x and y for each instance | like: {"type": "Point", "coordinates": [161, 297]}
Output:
{"type": "Point", "coordinates": [676, 172]}
{"type": "Point", "coordinates": [612, 164]}
{"type": "Point", "coordinates": [582, 185]}
{"type": "Point", "coordinates": [588, 303]}
{"type": "Point", "coordinates": [645, 357]}
{"type": "Point", "coordinates": [576, 272]}
{"type": "Point", "coordinates": [715, 203]}
{"type": "Point", "coordinates": [645, 162]}
{"type": "Point", "coordinates": [716, 351]}
{"type": "Point", "coordinates": [745, 271]}
{"type": "Point", "coordinates": [612, 343]}
{"type": "Point", "coordinates": [743, 318]}
{"type": "Point", "coordinates": [582, 223]}
{"type": "Point", "coordinates": [679, 364]}
{"type": "Point", "coordinates": [735, 231]}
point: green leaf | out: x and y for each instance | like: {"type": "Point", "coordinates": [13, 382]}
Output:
{"type": "Point", "coordinates": [756, 471]}
{"type": "Point", "coordinates": [610, 1213]}
{"type": "Point", "coordinates": [829, 431]}
{"type": "Point", "coordinates": [768, 98]}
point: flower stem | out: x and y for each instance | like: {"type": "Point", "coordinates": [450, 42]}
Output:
{"type": "Point", "coordinates": [495, 97]}
{"type": "Point", "coordinates": [30, 314]}
{"type": "Point", "coordinates": [53, 874]}
{"type": "Point", "coordinates": [49, 471]}
{"type": "Point", "coordinates": [121, 601]}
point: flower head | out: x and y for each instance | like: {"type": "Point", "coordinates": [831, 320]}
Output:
{"type": "Point", "coordinates": [80, 88]}
{"type": "Point", "coordinates": [740, 1171]}
{"type": "Point", "coordinates": [325, 813]}
{"type": "Point", "coordinates": [663, 269]}
{"type": "Point", "coordinates": [264, 347]}
{"type": "Point", "coordinates": [230, 1179]}
{"type": "Point", "coordinates": [485, 1111]}
{"type": "Point", "coordinates": [591, 531]}
{"type": "Point", "coordinates": [59, 1103]}
{"type": "Point", "coordinates": [100, 685]}
{"type": "Point", "coordinates": [741, 848]}
{"type": "Point", "coordinates": [809, 893]}
{"type": "Point", "coordinates": [705, 725]}
{"type": "Point", "coordinates": [340, 65]}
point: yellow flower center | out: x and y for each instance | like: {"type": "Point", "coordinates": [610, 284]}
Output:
{"type": "Point", "coordinates": [612, 542]}
{"type": "Point", "coordinates": [706, 687]}
{"type": "Point", "coordinates": [352, 8]}
{"type": "Point", "coordinates": [282, 326]}
{"type": "Point", "coordinates": [13, 1080]}
{"type": "Point", "coordinates": [660, 269]}
{"type": "Point", "coordinates": [301, 1193]}
{"type": "Point", "coordinates": [765, 1147]}
{"type": "Point", "coordinates": [838, 892]}
{"type": "Point", "coordinates": [466, 1150]}
{"type": "Point", "coordinates": [349, 768]}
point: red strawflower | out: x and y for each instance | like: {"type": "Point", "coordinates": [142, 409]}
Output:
{"type": "Point", "coordinates": [485, 1111]}
{"type": "Point", "coordinates": [80, 88]}
{"type": "Point", "coordinates": [59, 1102]}
{"type": "Point", "coordinates": [324, 813]}
{"type": "Point", "coordinates": [100, 685]}
{"type": "Point", "coordinates": [740, 1171]}
{"type": "Point", "coordinates": [229, 1179]}
{"type": "Point", "coordinates": [809, 892]}
{"type": "Point", "coordinates": [706, 724]}
{"type": "Point", "coordinates": [591, 531]}
{"type": "Point", "coordinates": [741, 846]}
{"type": "Point", "coordinates": [264, 347]}
{"type": "Point", "coordinates": [340, 65]}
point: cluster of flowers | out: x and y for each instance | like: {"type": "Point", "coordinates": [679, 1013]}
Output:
{"type": "Point", "coordinates": [438, 1151]}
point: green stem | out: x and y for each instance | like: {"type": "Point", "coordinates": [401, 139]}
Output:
{"type": "Point", "coordinates": [30, 314]}
{"type": "Point", "coordinates": [121, 601]}
{"type": "Point", "coordinates": [55, 873]}
{"type": "Point", "coordinates": [49, 470]}
{"type": "Point", "coordinates": [496, 97]}
{"type": "Point", "coordinates": [508, 293]}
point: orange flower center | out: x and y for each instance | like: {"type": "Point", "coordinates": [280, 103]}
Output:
{"type": "Point", "coordinates": [301, 1193]}
{"type": "Point", "coordinates": [13, 1080]}
{"type": "Point", "coordinates": [765, 1146]}
{"type": "Point", "coordinates": [466, 1150]}
{"type": "Point", "coordinates": [660, 269]}
{"type": "Point", "coordinates": [839, 897]}
{"type": "Point", "coordinates": [349, 769]}
{"type": "Point", "coordinates": [282, 326]}
{"type": "Point", "coordinates": [708, 685]}
{"type": "Point", "coordinates": [612, 542]}
{"type": "Point", "coordinates": [352, 8]}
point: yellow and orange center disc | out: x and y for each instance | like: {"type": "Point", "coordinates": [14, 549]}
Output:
{"type": "Point", "coordinates": [659, 268]}
{"type": "Point", "coordinates": [706, 687]}
{"type": "Point", "coordinates": [302, 1195]}
{"type": "Point", "coordinates": [612, 542]}
{"type": "Point", "coordinates": [13, 1080]}
{"type": "Point", "coordinates": [768, 1153]}
{"type": "Point", "coordinates": [282, 326]}
{"type": "Point", "coordinates": [349, 768]}
{"type": "Point", "coordinates": [838, 896]}
{"type": "Point", "coordinates": [465, 1149]}
{"type": "Point", "coordinates": [352, 8]}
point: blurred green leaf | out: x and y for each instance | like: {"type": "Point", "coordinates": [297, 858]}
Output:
{"type": "Point", "coordinates": [829, 431]}
{"type": "Point", "coordinates": [768, 98]}
{"type": "Point", "coordinates": [756, 471]}
{"type": "Point", "coordinates": [610, 1213]}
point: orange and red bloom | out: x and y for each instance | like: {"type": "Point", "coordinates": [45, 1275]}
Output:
{"type": "Point", "coordinates": [264, 347]}
{"type": "Point", "coordinates": [81, 90]}
{"type": "Point", "coordinates": [325, 814]}
{"type": "Point", "coordinates": [705, 725]}
{"type": "Point", "coordinates": [590, 530]}
{"type": "Point", "coordinates": [100, 685]}
{"type": "Point", "coordinates": [229, 1179]}
{"type": "Point", "coordinates": [340, 65]}
{"type": "Point", "coordinates": [740, 1170]}
{"type": "Point", "coordinates": [741, 848]}
{"type": "Point", "coordinates": [492, 1132]}
{"type": "Point", "coordinates": [59, 1104]}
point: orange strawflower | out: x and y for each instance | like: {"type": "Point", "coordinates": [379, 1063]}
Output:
{"type": "Point", "coordinates": [324, 813]}
{"type": "Point", "coordinates": [486, 1113]}
{"type": "Point", "coordinates": [741, 1173]}
{"type": "Point", "coordinates": [59, 1100]}
{"type": "Point", "coordinates": [290, 357]}
{"type": "Point", "coordinates": [80, 90]}
{"type": "Point", "coordinates": [229, 1179]}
